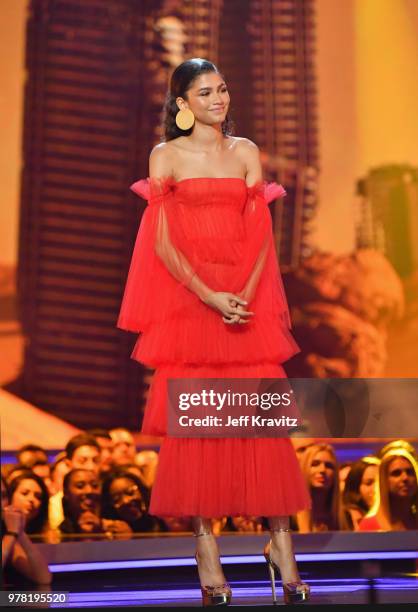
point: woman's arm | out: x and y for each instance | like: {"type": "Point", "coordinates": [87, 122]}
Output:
{"type": "Point", "coordinates": [7, 546]}
{"type": "Point", "coordinates": [14, 521]}
{"type": "Point", "coordinates": [29, 561]}
{"type": "Point", "coordinates": [250, 155]}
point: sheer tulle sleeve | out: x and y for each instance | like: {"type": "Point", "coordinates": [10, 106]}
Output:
{"type": "Point", "coordinates": [260, 250]}
{"type": "Point", "coordinates": [159, 269]}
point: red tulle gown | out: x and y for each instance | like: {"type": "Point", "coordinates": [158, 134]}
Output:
{"type": "Point", "coordinates": [214, 233]}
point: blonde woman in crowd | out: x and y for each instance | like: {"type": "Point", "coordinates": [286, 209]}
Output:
{"type": "Point", "coordinates": [396, 503]}
{"type": "Point", "coordinates": [320, 468]}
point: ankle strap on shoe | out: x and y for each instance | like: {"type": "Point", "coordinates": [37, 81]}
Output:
{"type": "Point", "coordinates": [202, 533]}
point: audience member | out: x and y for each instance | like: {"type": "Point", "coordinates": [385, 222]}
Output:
{"type": "Point", "coordinates": [29, 454]}
{"type": "Point", "coordinates": [59, 468]}
{"type": "Point", "coordinates": [15, 471]}
{"type": "Point", "coordinates": [395, 444]}
{"type": "Point", "coordinates": [343, 472]}
{"type": "Point", "coordinates": [396, 505]}
{"type": "Point", "coordinates": [43, 470]}
{"type": "Point", "coordinates": [125, 497]}
{"type": "Point", "coordinates": [320, 468]}
{"type": "Point", "coordinates": [123, 446]}
{"type": "Point", "coordinates": [18, 552]}
{"type": "Point", "coordinates": [104, 440]}
{"type": "Point", "coordinates": [29, 494]}
{"type": "Point", "coordinates": [360, 491]}
{"type": "Point", "coordinates": [147, 460]}
{"type": "Point", "coordinates": [82, 507]}
{"type": "Point", "coordinates": [82, 451]}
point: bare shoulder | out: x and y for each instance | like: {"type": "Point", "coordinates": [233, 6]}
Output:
{"type": "Point", "coordinates": [161, 160]}
{"type": "Point", "coordinates": [249, 153]}
{"type": "Point", "coordinates": [246, 145]}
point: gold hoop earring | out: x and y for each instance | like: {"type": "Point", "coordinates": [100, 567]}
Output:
{"type": "Point", "coordinates": [185, 119]}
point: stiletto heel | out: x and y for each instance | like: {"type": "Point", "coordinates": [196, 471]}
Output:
{"type": "Point", "coordinates": [214, 595]}
{"type": "Point", "coordinates": [293, 592]}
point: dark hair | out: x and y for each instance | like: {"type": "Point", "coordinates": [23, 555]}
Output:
{"type": "Point", "coordinates": [18, 467]}
{"type": "Point", "coordinates": [181, 80]}
{"type": "Point", "coordinates": [82, 439]}
{"type": "Point", "coordinates": [351, 494]}
{"type": "Point", "coordinates": [38, 524]}
{"type": "Point", "coordinates": [32, 448]}
{"type": "Point", "coordinates": [99, 433]}
{"type": "Point", "coordinates": [108, 510]}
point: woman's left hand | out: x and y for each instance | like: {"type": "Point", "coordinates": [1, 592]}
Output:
{"type": "Point", "coordinates": [235, 318]}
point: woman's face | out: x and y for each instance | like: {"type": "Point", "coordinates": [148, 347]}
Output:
{"type": "Point", "coordinates": [28, 498]}
{"type": "Point", "coordinates": [367, 486]}
{"type": "Point", "coordinates": [83, 493]}
{"type": "Point", "coordinates": [208, 98]}
{"type": "Point", "coordinates": [127, 499]}
{"type": "Point", "coordinates": [322, 472]}
{"type": "Point", "coordinates": [402, 480]}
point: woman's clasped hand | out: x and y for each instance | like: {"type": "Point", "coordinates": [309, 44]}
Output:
{"type": "Point", "coordinates": [231, 306]}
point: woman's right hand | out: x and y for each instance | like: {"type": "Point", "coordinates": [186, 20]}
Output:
{"type": "Point", "coordinates": [228, 305]}
{"type": "Point", "coordinates": [88, 522]}
{"type": "Point", "coordinates": [14, 519]}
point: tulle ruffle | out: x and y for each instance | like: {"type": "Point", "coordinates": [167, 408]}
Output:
{"type": "Point", "coordinates": [155, 417]}
{"type": "Point", "coordinates": [208, 340]}
{"type": "Point", "coordinates": [228, 477]}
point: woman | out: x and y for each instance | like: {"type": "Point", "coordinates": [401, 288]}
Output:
{"type": "Point", "coordinates": [125, 498]}
{"type": "Point", "coordinates": [204, 290]}
{"type": "Point", "coordinates": [29, 494]}
{"type": "Point", "coordinates": [359, 491]}
{"type": "Point", "coordinates": [320, 468]}
{"type": "Point", "coordinates": [20, 558]}
{"type": "Point", "coordinates": [81, 505]}
{"type": "Point", "coordinates": [396, 504]}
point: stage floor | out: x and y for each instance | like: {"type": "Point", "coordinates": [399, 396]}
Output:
{"type": "Point", "coordinates": [111, 591]}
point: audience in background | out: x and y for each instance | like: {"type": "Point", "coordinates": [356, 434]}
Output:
{"type": "Point", "coordinates": [18, 552]}
{"type": "Point", "coordinates": [15, 471]}
{"type": "Point", "coordinates": [396, 506]}
{"type": "Point", "coordinates": [29, 454]}
{"type": "Point", "coordinates": [320, 468]}
{"type": "Point", "coordinates": [82, 507]}
{"type": "Point", "coordinates": [104, 440]}
{"type": "Point", "coordinates": [123, 446]}
{"type": "Point", "coordinates": [29, 494]}
{"type": "Point", "coordinates": [147, 460]}
{"type": "Point", "coordinates": [394, 444]}
{"type": "Point", "coordinates": [125, 497]}
{"type": "Point", "coordinates": [343, 472]}
{"type": "Point", "coordinates": [43, 470]}
{"type": "Point", "coordinates": [359, 491]}
{"type": "Point", "coordinates": [107, 487]}
{"type": "Point", "coordinates": [82, 451]}
{"type": "Point", "coordinates": [59, 468]}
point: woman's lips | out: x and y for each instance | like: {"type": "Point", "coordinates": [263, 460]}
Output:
{"type": "Point", "coordinates": [218, 110]}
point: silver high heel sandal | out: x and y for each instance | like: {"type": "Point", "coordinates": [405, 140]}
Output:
{"type": "Point", "coordinates": [214, 595]}
{"type": "Point", "coordinates": [293, 592]}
